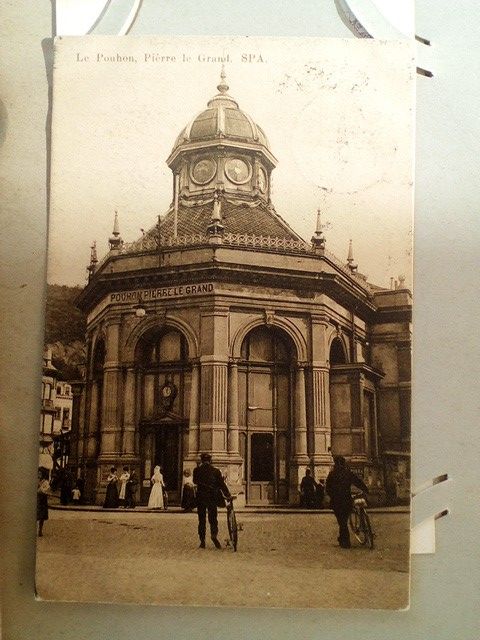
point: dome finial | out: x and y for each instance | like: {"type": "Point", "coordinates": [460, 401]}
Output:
{"type": "Point", "coordinates": [223, 86]}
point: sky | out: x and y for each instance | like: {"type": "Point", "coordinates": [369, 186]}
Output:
{"type": "Point", "coordinates": [338, 114]}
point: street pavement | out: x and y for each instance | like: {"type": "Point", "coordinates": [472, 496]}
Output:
{"type": "Point", "coordinates": [283, 560]}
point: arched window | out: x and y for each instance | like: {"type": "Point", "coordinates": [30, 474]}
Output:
{"type": "Point", "coordinates": [337, 352]}
{"type": "Point", "coordinates": [265, 345]}
{"type": "Point", "coordinates": [162, 356]}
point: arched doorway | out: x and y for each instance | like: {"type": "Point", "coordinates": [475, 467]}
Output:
{"type": "Point", "coordinates": [164, 379]}
{"type": "Point", "coordinates": [340, 399]}
{"type": "Point", "coordinates": [265, 412]}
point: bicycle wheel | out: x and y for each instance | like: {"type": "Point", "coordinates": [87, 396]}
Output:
{"type": "Point", "coordinates": [355, 522]}
{"type": "Point", "coordinates": [232, 527]}
{"type": "Point", "coordinates": [367, 528]}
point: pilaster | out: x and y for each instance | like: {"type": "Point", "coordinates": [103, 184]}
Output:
{"type": "Point", "coordinates": [321, 425]}
{"type": "Point", "coordinates": [193, 430]}
{"type": "Point", "coordinates": [232, 433]}
{"type": "Point", "coordinates": [214, 383]}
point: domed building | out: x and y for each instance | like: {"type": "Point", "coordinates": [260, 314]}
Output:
{"type": "Point", "coordinates": [222, 330]}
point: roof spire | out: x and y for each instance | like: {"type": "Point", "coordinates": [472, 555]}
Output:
{"type": "Point", "coordinates": [115, 241]}
{"type": "Point", "coordinates": [223, 86]}
{"type": "Point", "coordinates": [318, 239]}
{"type": "Point", "coordinates": [116, 228]}
{"type": "Point", "coordinates": [350, 261]}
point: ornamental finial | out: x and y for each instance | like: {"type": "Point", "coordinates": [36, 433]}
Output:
{"type": "Point", "coordinates": [350, 261]}
{"type": "Point", "coordinates": [93, 260]}
{"type": "Point", "coordinates": [318, 239]}
{"type": "Point", "coordinates": [223, 86]}
{"type": "Point", "coordinates": [215, 227]}
{"type": "Point", "coordinates": [115, 241]}
{"type": "Point", "coordinates": [116, 226]}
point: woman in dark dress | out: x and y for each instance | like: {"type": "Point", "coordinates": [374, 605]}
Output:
{"type": "Point", "coordinates": [131, 491]}
{"type": "Point", "coordinates": [188, 491]}
{"type": "Point", "coordinates": [43, 488]}
{"type": "Point", "coordinates": [111, 497]}
{"type": "Point", "coordinates": [66, 487]}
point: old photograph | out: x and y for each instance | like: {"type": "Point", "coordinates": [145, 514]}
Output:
{"type": "Point", "coordinates": [226, 385]}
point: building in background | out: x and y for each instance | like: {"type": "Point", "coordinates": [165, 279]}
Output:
{"type": "Point", "coordinates": [222, 330]}
{"type": "Point", "coordinates": [55, 417]}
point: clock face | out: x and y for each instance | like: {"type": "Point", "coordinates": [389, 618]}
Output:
{"type": "Point", "coordinates": [262, 180]}
{"type": "Point", "coordinates": [204, 171]}
{"type": "Point", "coordinates": [166, 391]}
{"type": "Point", "coordinates": [237, 170]}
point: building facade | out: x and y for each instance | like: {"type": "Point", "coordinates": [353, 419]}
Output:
{"type": "Point", "coordinates": [222, 330]}
{"type": "Point", "coordinates": [55, 417]}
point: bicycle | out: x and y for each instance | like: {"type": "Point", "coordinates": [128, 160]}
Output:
{"type": "Point", "coordinates": [359, 521]}
{"type": "Point", "coordinates": [231, 523]}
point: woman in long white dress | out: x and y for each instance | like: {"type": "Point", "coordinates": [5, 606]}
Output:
{"type": "Point", "coordinates": [155, 501]}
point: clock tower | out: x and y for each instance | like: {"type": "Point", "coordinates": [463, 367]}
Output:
{"type": "Point", "coordinates": [222, 150]}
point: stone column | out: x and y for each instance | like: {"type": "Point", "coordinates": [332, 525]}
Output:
{"type": "Point", "coordinates": [110, 434]}
{"type": "Point", "coordinates": [129, 422]}
{"type": "Point", "coordinates": [301, 416]}
{"type": "Point", "coordinates": [300, 459]}
{"type": "Point", "coordinates": [232, 433]}
{"type": "Point", "coordinates": [193, 429]}
{"type": "Point", "coordinates": [92, 437]}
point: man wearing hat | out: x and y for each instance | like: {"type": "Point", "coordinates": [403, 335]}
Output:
{"type": "Point", "coordinates": [338, 487]}
{"type": "Point", "coordinates": [210, 486]}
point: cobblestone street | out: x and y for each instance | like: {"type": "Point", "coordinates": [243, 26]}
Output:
{"type": "Point", "coordinates": [289, 559]}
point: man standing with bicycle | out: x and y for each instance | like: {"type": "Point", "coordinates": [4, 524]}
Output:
{"type": "Point", "coordinates": [338, 487]}
{"type": "Point", "coordinates": [210, 486]}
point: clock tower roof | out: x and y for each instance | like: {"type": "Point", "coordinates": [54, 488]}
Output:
{"type": "Point", "coordinates": [222, 120]}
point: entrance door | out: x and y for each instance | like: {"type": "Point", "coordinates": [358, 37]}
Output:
{"type": "Point", "coordinates": [261, 487]}
{"type": "Point", "coordinates": [167, 455]}
{"type": "Point", "coordinates": [264, 378]}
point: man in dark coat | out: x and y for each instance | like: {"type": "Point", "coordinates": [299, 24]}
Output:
{"type": "Point", "coordinates": [338, 487]}
{"type": "Point", "coordinates": [308, 488]}
{"type": "Point", "coordinates": [210, 485]}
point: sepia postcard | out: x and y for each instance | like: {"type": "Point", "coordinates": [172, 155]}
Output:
{"type": "Point", "coordinates": [226, 385]}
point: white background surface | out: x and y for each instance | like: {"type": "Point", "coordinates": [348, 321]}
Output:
{"type": "Point", "coordinates": [446, 360]}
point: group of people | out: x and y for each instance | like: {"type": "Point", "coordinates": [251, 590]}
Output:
{"type": "Point", "coordinates": [71, 490]}
{"type": "Point", "coordinates": [121, 490]}
{"type": "Point", "coordinates": [312, 493]}
{"type": "Point", "coordinates": [206, 490]}
{"type": "Point", "coordinates": [338, 488]}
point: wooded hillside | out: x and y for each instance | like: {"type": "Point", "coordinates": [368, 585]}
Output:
{"type": "Point", "coordinates": [65, 331]}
